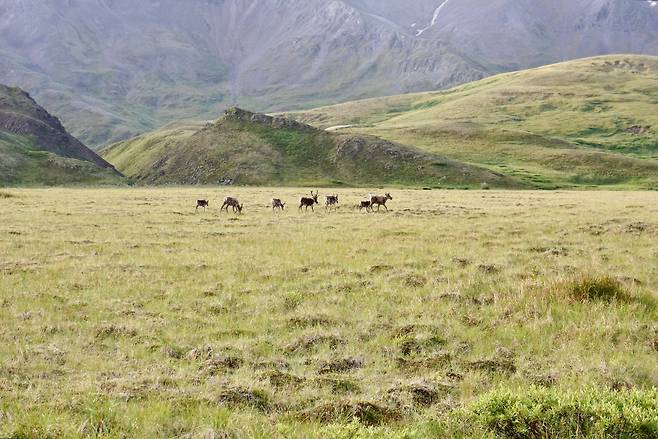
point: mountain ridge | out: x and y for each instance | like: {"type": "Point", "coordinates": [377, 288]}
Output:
{"type": "Point", "coordinates": [35, 147]}
{"type": "Point", "coordinates": [256, 149]}
{"type": "Point", "coordinates": [116, 69]}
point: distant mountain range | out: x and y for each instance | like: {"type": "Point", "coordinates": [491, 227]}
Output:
{"type": "Point", "coordinates": [36, 149]}
{"type": "Point", "coordinates": [112, 69]}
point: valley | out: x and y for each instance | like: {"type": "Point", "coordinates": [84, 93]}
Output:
{"type": "Point", "coordinates": [127, 313]}
{"type": "Point", "coordinates": [363, 219]}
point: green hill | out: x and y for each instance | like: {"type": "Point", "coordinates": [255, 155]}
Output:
{"type": "Point", "coordinates": [36, 149]}
{"type": "Point", "coordinates": [249, 148]}
{"type": "Point", "coordinates": [588, 122]}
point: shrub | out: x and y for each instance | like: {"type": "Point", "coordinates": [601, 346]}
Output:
{"type": "Point", "coordinates": [542, 413]}
{"type": "Point", "coordinates": [588, 288]}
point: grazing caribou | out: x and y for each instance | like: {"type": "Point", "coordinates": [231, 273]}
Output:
{"type": "Point", "coordinates": [309, 202]}
{"type": "Point", "coordinates": [364, 205]}
{"type": "Point", "coordinates": [231, 202]}
{"type": "Point", "coordinates": [202, 203]}
{"type": "Point", "coordinates": [278, 204]}
{"type": "Point", "coordinates": [379, 200]}
{"type": "Point", "coordinates": [330, 201]}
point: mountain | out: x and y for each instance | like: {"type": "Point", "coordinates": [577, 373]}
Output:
{"type": "Point", "coordinates": [250, 148]}
{"type": "Point", "coordinates": [35, 148]}
{"type": "Point", "coordinates": [116, 68]}
{"type": "Point", "coordinates": [592, 121]}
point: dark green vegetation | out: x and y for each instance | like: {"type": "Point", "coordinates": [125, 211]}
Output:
{"type": "Point", "coordinates": [459, 314]}
{"type": "Point", "coordinates": [255, 149]}
{"type": "Point", "coordinates": [546, 413]}
{"type": "Point", "coordinates": [585, 123]}
{"type": "Point", "coordinates": [36, 149]}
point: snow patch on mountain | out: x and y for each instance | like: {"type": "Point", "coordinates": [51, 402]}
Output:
{"type": "Point", "coordinates": [435, 18]}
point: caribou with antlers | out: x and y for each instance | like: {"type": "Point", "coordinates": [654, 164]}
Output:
{"type": "Point", "coordinates": [379, 200]}
{"type": "Point", "coordinates": [231, 202]}
{"type": "Point", "coordinates": [309, 202]}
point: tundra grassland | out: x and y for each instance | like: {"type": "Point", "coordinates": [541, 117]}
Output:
{"type": "Point", "coordinates": [127, 313]}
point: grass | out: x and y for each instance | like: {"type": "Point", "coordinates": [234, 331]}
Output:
{"type": "Point", "coordinates": [126, 313]}
{"type": "Point", "coordinates": [589, 122]}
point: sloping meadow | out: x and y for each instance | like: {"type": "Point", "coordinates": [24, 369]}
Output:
{"type": "Point", "coordinates": [128, 313]}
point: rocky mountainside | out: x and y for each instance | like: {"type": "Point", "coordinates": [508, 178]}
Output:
{"type": "Point", "coordinates": [35, 147]}
{"type": "Point", "coordinates": [251, 148]}
{"type": "Point", "coordinates": [116, 68]}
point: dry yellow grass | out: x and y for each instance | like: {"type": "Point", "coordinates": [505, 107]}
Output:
{"type": "Point", "coordinates": [126, 313]}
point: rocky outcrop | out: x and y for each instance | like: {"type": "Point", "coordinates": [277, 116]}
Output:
{"type": "Point", "coordinates": [240, 115]}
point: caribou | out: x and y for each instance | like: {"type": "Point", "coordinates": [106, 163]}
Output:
{"type": "Point", "coordinates": [309, 202]}
{"type": "Point", "coordinates": [231, 202]}
{"type": "Point", "coordinates": [364, 205]}
{"type": "Point", "coordinates": [330, 201]}
{"type": "Point", "coordinates": [379, 200]}
{"type": "Point", "coordinates": [202, 203]}
{"type": "Point", "coordinates": [278, 204]}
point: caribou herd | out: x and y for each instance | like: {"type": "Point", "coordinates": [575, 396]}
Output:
{"type": "Point", "coordinates": [330, 202]}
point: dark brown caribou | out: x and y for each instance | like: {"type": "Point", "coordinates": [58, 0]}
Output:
{"type": "Point", "coordinates": [364, 205]}
{"type": "Point", "coordinates": [330, 201]}
{"type": "Point", "coordinates": [278, 204]}
{"type": "Point", "coordinates": [379, 200]}
{"type": "Point", "coordinates": [231, 202]}
{"type": "Point", "coordinates": [309, 202]}
{"type": "Point", "coordinates": [202, 203]}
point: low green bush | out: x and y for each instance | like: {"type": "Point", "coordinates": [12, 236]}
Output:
{"type": "Point", "coordinates": [551, 413]}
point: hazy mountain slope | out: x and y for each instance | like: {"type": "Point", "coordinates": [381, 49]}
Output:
{"type": "Point", "coordinates": [249, 148]}
{"type": "Point", "coordinates": [35, 148]}
{"type": "Point", "coordinates": [121, 67]}
{"type": "Point", "coordinates": [115, 68]}
{"type": "Point", "coordinates": [590, 121]}
{"type": "Point", "coordinates": [526, 33]}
